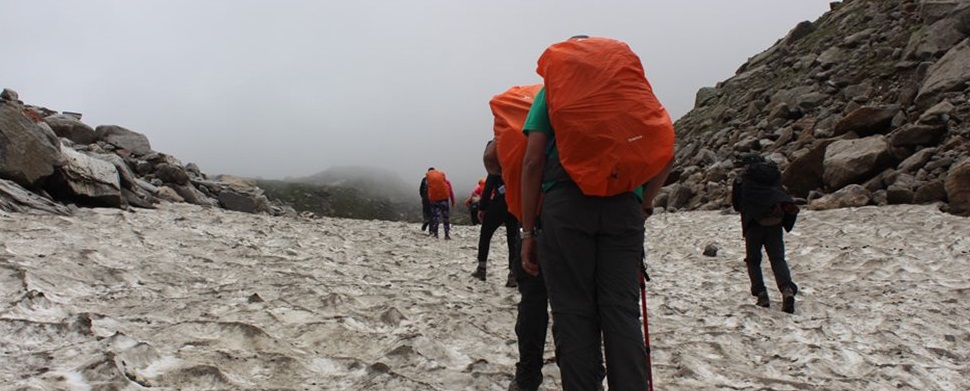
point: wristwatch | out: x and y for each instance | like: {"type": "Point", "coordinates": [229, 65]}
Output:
{"type": "Point", "coordinates": [527, 234]}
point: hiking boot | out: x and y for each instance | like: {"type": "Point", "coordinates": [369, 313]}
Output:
{"type": "Point", "coordinates": [514, 386]}
{"type": "Point", "coordinates": [424, 227]}
{"type": "Point", "coordinates": [479, 273]}
{"type": "Point", "coordinates": [447, 237]}
{"type": "Point", "coordinates": [510, 282]}
{"type": "Point", "coordinates": [763, 300]}
{"type": "Point", "coordinates": [788, 300]}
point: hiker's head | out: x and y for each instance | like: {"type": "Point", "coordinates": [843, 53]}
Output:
{"type": "Point", "coordinates": [580, 36]}
{"type": "Point", "coordinates": [430, 168]}
{"type": "Point", "coordinates": [490, 158]}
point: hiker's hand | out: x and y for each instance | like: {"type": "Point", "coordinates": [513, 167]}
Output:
{"type": "Point", "coordinates": [530, 256]}
{"type": "Point", "coordinates": [481, 215]}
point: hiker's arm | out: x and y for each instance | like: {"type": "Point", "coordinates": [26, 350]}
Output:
{"type": "Point", "coordinates": [736, 194]}
{"type": "Point", "coordinates": [652, 187]}
{"type": "Point", "coordinates": [532, 166]}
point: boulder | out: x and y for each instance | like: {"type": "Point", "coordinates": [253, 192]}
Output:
{"type": "Point", "coordinates": [867, 121]}
{"type": "Point", "coordinates": [123, 138]}
{"type": "Point", "coordinates": [848, 197]}
{"type": "Point", "coordinates": [193, 196]}
{"type": "Point", "coordinates": [171, 174]}
{"type": "Point", "coordinates": [169, 194]}
{"type": "Point", "coordinates": [28, 152]}
{"type": "Point", "coordinates": [916, 160]}
{"type": "Point", "coordinates": [851, 161]}
{"type": "Point", "coordinates": [958, 188]}
{"type": "Point", "coordinates": [69, 127]}
{"type": "Point", "coordinates": [950, 73]}
{"type": "Point", "coordinates": [243, 202]}
{"type": "Point", "coordinates": [935, 39]}
{"type": "Point", "coordinates": [805, 173]}
{"type": "Point", "coordinates": [930, 192]}
{"type": "Point", "coordinates": [88, 180]}
{"type": "Point", "coordinates": [912, 135]}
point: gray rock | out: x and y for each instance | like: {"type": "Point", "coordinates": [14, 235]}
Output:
{"type": "Point", "coordinates": [90, 180]}
{"type": "Point", "coordinates": [912, 135]}
{"type": "Point", "coordinates": [950, 73]}
{"type": "Point", "coordinates": [850, 161]}
{"type": "Point", "coordinates": [935, 39]}
{"type": "Point", "coordinates": [14, 198]}
{"type": "Point", "coordinates": [867, 121]}
{"type": "Point", "coordinates": [123, 138]}
{"type": "Point", "coordinates": [9, 95]}
{"type": "Point", "coordinates": [28, 151]}
{"type": "Point", "coordinates": [917, 160]}
{"type": "Point", "coordinates": [71, 128]}
{"type": "Point", "coordinates": [168, 194]}
{"type": "Point", "coordinates": [710, 250]}
{"type": "Point", "coordinates": [930, 192]}
{"type": "Point", "coordinates": [171, 174]}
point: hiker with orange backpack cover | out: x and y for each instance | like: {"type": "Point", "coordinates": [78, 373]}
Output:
{"type": "Point", "coordinates": [439, 194]}
{"type": "Point", "coordinates": [510, 109]}
{"type": "Point", "coordinates": [600, 146]}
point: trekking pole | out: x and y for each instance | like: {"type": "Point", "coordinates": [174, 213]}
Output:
{"type": "Point", "coordinates": [644, 277]}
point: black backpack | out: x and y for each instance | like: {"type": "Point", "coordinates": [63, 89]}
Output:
{"type": "Point", "coordinates": [766, 175]}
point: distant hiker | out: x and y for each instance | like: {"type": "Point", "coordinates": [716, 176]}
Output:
{"type": "Point", "coordinates": [494, 213]}
{"type": "Point", "coordinates": [765, 209]}
{"type": "Point", "coordinates": [599, 146]}
{"type": "Point", "coordinates": [439, 194]}
{"type": "Point", "coordinates": [425, 203]}
{"type": "Point", "coordinates": [473, 201]}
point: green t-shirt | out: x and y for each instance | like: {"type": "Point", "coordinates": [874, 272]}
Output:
{"type": "Point", "coordinates": [538, 121]}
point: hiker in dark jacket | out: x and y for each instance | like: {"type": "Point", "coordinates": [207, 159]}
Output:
{"type": "Point", "coordinates": [425, 203]}
{"type": "Point", "coordinates": [493, 213]}
{"type": "Point", "coordinates": [765, 210]}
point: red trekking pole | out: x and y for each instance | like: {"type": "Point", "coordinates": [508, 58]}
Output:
{"type": "Point", "coordinates": [644, 277]}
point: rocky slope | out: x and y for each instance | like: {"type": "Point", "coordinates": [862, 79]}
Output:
{"type": "Point", "coordinates": [869, 104]}
{"type": "Point", "coordinates": [51, 162]}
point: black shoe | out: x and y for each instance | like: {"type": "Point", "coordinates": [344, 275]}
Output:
{"type": "Point", "coordinates": [479, 273]}
{"type": "Point", "coordinates": [447, 237]}
{"type": "Point", "coordinates": [514, 386]}
{"type": "Point", "coordinates": [510, 282]}
{"type": "Point", "coordinates": [788, 301]}
{"type": "Point", "coordinates": [424, 226]}
{"type": "Point", "coordinates": [763, 300]}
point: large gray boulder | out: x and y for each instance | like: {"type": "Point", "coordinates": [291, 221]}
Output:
{"type": "Point", "coordinates": [28, 152]}
{"type": "Point", "coordinates": [958, 188]}
{"type": "Point", "coordinates": [867, 121]}
{"type": "Point", "coordinates": [852, 161]}
{"type": "Point", "coordinates": [244, 202]}
{"type": "Point", "coordinates": [805, 173]}
{"type": "Point", "coordinates": [71, 128]}
{"type": "Point", "coordinates": [950, 73]}
{"type": "Point", "coordinates": [123, 138]}
{"type": "Point", "coordinates": [91, 180]}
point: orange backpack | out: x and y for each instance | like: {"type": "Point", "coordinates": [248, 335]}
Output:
{"type": "Point", "coordinates": [437, 186]}
{"type": "Point", "coordinates": [612, 133]}
{"type": "Point", "coordinates": [510, 109]}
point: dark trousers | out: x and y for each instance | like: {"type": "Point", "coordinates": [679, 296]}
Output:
{"type": "Point", "coordinates": [497, 215]}
{"type": "Point", "coordinates": [425, 213]}
{"type": "Point", "coordinates": [531, 324]}
{"type": "Point", "coordinates": [590, 252]}
{"type": "Point", "coordinates": [771, 239]}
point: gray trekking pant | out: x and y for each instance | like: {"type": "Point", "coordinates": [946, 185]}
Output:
{"type": "Point", "coordinates": [590, 253]}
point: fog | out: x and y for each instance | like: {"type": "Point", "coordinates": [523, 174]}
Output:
{"type": "Point", "coordinates": [289, 88]}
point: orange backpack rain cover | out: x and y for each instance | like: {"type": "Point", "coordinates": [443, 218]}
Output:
{"type": "Point", "coordinates": [612, 133]}
{"type": "Point", "coordinates": [437, 186]}
{"type": "Point", "coordinates": [510, 109]}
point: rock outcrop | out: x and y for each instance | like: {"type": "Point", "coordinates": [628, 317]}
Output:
{"type": "Point", "coordinates": [869, 104]}
{"type": "Point", "coordinates": [50, 161]}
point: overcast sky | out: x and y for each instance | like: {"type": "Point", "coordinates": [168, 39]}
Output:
{"type": "Point", "coordinates": [290, 88]}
